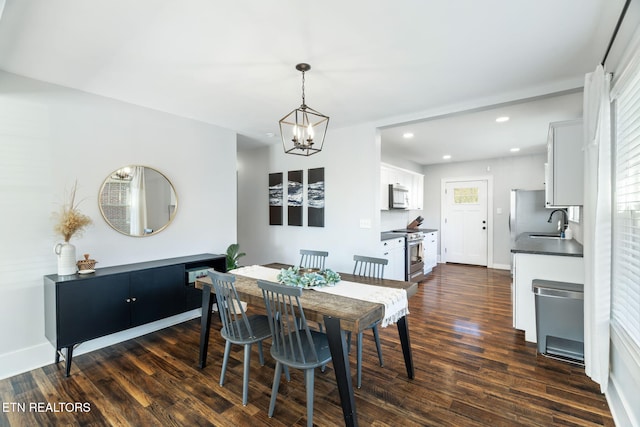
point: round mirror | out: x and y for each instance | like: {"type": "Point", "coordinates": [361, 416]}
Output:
{"type": "Point", "coordinates": [137, 201]}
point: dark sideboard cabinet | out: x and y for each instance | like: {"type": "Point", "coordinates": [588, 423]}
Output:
{"type": "Point", "coordinates": [79, 307]}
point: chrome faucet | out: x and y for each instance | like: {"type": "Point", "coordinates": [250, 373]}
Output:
{"type": "Point", "coordinates": [565, 219]}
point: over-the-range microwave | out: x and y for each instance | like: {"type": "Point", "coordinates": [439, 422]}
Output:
{"type": "Point", "coordinates": [398, 196]}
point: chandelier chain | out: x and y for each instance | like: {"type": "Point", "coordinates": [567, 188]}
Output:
{"type": "Point", "coordinates": [303, 101]}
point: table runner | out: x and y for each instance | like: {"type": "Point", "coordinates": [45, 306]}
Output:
{"type": "Point", "coordinates": [395, 301]}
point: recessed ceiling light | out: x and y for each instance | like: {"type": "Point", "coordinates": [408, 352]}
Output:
{"type": "Point", "coordinates": [514, 149]}
{"type": "Point", "coordinates": [446, 156]}
{"type": "Point", "coordinates": [502, 119]}
{"type": "Point", "coordinates": [407, 135]}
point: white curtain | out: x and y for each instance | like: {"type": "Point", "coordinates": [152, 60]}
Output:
{"type": "Point", "coordinates": [597, 225]}
{"type": "Point", "coordinates": [138, 212]}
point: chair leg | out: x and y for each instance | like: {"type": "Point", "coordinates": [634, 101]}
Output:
{"type": "Point", "coordinates": [376, 336]}
{"type": "Point", "coordinates": [309, 379]}
{"type": "Point", "coordinates": [225, 359]}
{"type": "Point", "coordinates": [274, 388]}
{"type": "Point", "coordinates": [260, 353]}
{"type": "Point", "coordinates": [359, 360]}
{"type": "Point", "coordinates": [286, 373]}
{"type": "Point", "coordinates": [245, 375]}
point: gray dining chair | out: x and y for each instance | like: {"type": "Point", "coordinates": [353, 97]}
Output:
{"type": "Point", "coordinates": [294, 344]}
{"type": "Point", "coordinates": [312, 259]}
{"type": "Point", "coordinates": [374, 268]}
{"type": "Point", "coordinates": [237, 326]}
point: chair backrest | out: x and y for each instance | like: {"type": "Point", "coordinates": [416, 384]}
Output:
{"type": "Point", "coordinates": [291, 337]}
{"type": "Point", "coordinates": [369, 266]}
{"type": "Point", "coordinates": [235, 323]}
{"type": "Point", "coordinates": [312, 259]}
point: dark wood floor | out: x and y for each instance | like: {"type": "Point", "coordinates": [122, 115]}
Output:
{"type": "Point", "coordinates": [471, 369]}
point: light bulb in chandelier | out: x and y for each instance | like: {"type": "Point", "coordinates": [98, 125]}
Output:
{"type": "Point", "coordinates": [310, 134]}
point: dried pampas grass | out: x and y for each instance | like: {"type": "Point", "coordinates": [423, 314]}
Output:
{"type": "Point", "coordinates": [69, 220]}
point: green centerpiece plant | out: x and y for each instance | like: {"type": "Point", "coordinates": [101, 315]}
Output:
{"type": "Point", "coordinates": [292, 276]}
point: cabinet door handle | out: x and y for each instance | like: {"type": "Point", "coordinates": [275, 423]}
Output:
{"type": "Point", "coordinates": [133, 299]}
{"type": "Point", "coordinates": [128, 300]}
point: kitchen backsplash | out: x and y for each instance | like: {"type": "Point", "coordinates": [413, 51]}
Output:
{"type": "Point", "coordinates": [395, 219]}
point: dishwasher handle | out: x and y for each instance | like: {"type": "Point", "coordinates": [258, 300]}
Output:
{"type": "Point", "coordinates": [550, 288]}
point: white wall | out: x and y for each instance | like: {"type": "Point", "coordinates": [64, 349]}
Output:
{"type": "Point", "coordinates": [49, 137]}
{"type": "Point", "coordinates": [351, 158]}
{"type": "Point", "coordinates": [401, 163]}
{"type": "Point", "coordinates": [523, 172]}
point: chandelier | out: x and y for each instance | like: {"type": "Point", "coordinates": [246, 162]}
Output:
{"type": "Point", "coordinates": [123, 174]}
{"type": "Point", "coordinates": [303, 130]}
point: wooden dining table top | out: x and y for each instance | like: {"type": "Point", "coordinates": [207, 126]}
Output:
{"type": "Point", "coordinates": [355, 315]}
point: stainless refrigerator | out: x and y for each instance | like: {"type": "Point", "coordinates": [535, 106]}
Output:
{"type": "Point", "coordinates": [528, 214]}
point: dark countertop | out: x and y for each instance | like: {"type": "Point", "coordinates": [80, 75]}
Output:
{"type": "Point", "coordinates": [563, 247]}
{"type": "Point", "coordinates": [428, 230]}
{"type": "Point", "coordinates": [386, 235]}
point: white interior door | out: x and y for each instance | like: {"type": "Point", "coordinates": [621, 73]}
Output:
{"type": "Point", "coordinates": [465, 222]}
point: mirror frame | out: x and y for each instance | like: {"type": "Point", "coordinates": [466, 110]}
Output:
{"type": "Point", "coordinates": [155, 231]}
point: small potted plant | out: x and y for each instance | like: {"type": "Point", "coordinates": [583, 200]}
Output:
{"type": "Point", "coordinates": [233, 254]}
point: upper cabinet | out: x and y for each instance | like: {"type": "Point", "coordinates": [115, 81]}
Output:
{"type": "Point", "coordinates": [565, 164]}
{"type": "Point", "coordinates": [412, 180]}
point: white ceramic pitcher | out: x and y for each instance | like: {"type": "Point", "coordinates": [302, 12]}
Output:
{"type": "Point", "coordinates": [66, 258]}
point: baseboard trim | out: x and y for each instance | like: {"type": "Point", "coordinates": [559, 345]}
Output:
{"type": "Point", "coordinates": [27, 359]}
{"type": "Point", "coordinates": [617, 405]}
{"type": "Point", "coordinates": [501, 266]}
{"type": "Point", "coordinates": [624, 376]}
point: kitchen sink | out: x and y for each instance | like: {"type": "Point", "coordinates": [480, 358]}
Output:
{"type": "Point", "coordinates": [545, 236]}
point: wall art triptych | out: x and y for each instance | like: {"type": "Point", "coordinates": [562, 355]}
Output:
{"type": "Point", "coordinates": [276, 193]}
{"type": "Point", "coordinates": [315, 194]}
{"type": "Point", "coordinates": [296, 197]}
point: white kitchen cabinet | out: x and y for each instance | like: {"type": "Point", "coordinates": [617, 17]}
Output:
{"type": "Point", "coordinates": [412, 180]}
{"type": "Point", "coordinates": [565, 164]}
{"type": "Point", "coordinates": [416, 191]}
{"type": "Point", "coordinates": [527, 267]}
{"type": "Point", "coordinates": [430, 246]}
{"type": "Point", "coordinates": [394, 251]}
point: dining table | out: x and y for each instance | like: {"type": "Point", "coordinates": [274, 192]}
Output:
{"type": "Point", "coordinates": [337, 313]}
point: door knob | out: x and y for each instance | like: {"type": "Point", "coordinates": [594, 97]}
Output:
{"type": "Point", "coordinates": [484, 228]}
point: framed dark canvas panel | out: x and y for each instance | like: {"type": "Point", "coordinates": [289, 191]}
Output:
{"type": "Point", "coordinates": [315, 194]}
{"type": "Point", "coordinates": [276, 198]}
{"type": "Point", "coordinates": [294, 198]}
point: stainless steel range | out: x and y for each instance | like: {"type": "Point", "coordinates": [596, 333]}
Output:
{"type": "Point", "coordinates": [414, 262]}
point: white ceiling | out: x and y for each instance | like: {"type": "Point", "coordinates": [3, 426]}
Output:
{"type": "Point", "coordinates": [232, 63]}
{"type": "Point", "coordinates": [474, 135]}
